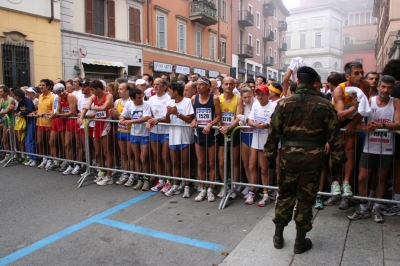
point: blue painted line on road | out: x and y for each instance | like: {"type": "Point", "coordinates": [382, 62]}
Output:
{"type": "Point", "coordinates": [65, 232]}
{"type": "Point", "coordinates": [162, 235]}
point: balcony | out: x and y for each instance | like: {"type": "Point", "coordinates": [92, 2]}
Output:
{"type": "Point", "coordinates": [246, 19]}
{"type": "Point", "coordinates": [203, 12]}
{"type": "Point", "coordinates": [283, 67]}
{"type": "Point", "coordinates": [245, 51]}
{"type": "Point", "coordinates": [269, 9]}
{"type": "Point", "coordinates": [268, 61]}
{"type": "Point", "coordinates": [282, 25]}
{"type": "Point", "coordinates": [282, 46]}
{"type": "Point", "coordinates": [268, 36]}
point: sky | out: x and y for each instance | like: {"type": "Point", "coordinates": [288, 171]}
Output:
{"type": "Point", "coordinates": [291, 3]}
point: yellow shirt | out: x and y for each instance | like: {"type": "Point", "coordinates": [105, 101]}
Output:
{"type": "Point", "coordinates": [228, 110]}
{"type": "Point", "coordinates": [120, 108]}
{"type": "Point", "coordinates": [45, 106]}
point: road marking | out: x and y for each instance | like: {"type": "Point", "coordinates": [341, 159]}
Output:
{"type": "Point", "coordinates": [162, 235]}
{"type": "Point", "coordinates": [67, 231]}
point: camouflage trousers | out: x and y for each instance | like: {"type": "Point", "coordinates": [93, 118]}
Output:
{"type": "Point", "coordinates": [302, 186]}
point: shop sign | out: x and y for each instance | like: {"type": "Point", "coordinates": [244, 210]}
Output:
{"type": "Point", "coordinates": [213, 74]}
{"type": "Point", "coordinates": [162, 67]}
{"type": "Point", "coordinates": [182, 69]}
{"type": "Point", "coordinates": [250, 72]}
{"type": "Point", "coordinates": [200, 71]}
{"type": "Point", "coordinates": [241, 70]}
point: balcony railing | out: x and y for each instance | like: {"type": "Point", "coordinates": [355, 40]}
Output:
{"type": "Point", "coordinates": [268, 61]}
{"type": "Point", "coordinates": [203, 12]}
{"type": "Point", "coordinates": [269, 9]}
{"type": "Point", "coordinates": [282, 25]}
{"type": "Point", "coordinates": [246, 19]}
{"type": "Point", "coordinates": [268, 35]}
{"type": "Point", "coordinates": [282, 46]}
{"type": "Point", "coordinates": [245, 51]}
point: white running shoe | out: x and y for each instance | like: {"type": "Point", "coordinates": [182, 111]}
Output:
{"type": "Point", "coordinates": [122, 179]}
{"type": "Point", "coordinates": [210, 195]}
{"type": "Point", "coordinates": [76, 170]}
{"type": "Point", "coordinates": [173, 191]}
{"type": "Point", "coordinates": [221, 193]}
{"type": "Point", "coordinates": [68, 171]}
{"type": "Point", "coordinates": [28, 163]}
{"type": "Point", "coordinates": [250, 198]}
{"type": "Point", "coordinates": [99, 177]}
{"type": "Point", "coordinates": [106, 181]}
{"type": "Point", "coordinates": [245, 191]}
{"type": "Point", "coordinates": [186, 193]}
{"type": "Point", "coordinates": [264, 201]}
{"type": "Point", "coordinates": [33, 163]}
{"type": "Point", "coordinates": [129, 183]}
{"type": "Point", "coordinates": [42, 164]}
{"type": "Point", "coordinates": [166, 187]}
{"type": "Point", "coordinates": [49, 162]}
{"type": "Point", "coordinates": [160, 184]}
{"type": "Point", "coordinates": [201, 195]}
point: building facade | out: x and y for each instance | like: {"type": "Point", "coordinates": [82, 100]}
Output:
{"type": "Point", "coordinates": [183, 37]}
{"type": "Point", "coordinates": [30, 41]}
{"type": "Point", "coordinates": [259, 43]}
{"type": "Point", "coordinates": [388, 37]}
{"type": "Point", "coordinates": [359, 32]}
{"type": "Point", "coordinates": [101, 39]}
{"type": "Point", "coordinates": [315, 34]}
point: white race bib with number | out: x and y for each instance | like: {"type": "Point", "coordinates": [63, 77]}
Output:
{"type": "Point", "coordinates": [65, 110]}
{"type": "Point", "coordinates": [101, 114]}
{"type": "Point", "coordinates": [227, 118]}
{"type": "Point", "coordinates": [203, 115]}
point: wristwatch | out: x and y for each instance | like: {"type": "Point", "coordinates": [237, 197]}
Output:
{"type": "Point", "coordinates": [212, 123]}
{"type": "Point", "coordinates": [383, 125]}
{"type": "Point", "coordinates": [178, 115]}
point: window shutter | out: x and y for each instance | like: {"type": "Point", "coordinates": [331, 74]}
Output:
{"type": "Point", "coordinates": [161, 31]}
{"type": "Point", "coordinates": [132, 24]}
{"type": "Point", "coordinates": [182, 38]}
{"type": "Point", "coordinates": [198, 43]}
{"type": "Point", "coordinates": [137, 25]}
{"type": "Point", "coordinates": [111, 18]}
{"type": "Point", "coordinates": [212, 47]}
{"type": "Point", "coordinates": [89, 16]}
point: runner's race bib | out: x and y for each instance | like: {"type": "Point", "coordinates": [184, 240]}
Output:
{"type": "Point", "coordinates": [203, 115]}
{"type": "Point", "coordinates": [227, 118]}
{"type": "Point", "coordinates": [101, 114]}
{"type": "Point", "coordinates": [65, 110]}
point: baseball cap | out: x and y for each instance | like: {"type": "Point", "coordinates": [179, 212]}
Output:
{"type": "Point", "coordinates": [30, 89]}
{"type": "Point", "coordinates": [262, 87]}
{"type": "Point", "coordinates": [58, 88]}
{"type": "Point", "coordinates": [141, 82]}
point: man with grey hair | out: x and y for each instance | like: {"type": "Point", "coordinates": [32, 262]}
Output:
{"type": "Point", "coordinates": [378, 146]}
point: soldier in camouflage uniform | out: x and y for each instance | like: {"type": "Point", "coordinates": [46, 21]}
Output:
{"type": "Point", "coordinates": [306, 123]}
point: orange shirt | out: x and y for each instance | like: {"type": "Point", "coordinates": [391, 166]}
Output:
{"type": "Point", "coordinates": [45, 106]}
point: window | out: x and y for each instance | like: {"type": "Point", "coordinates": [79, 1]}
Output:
{"type": "Point", "coordinates": [161, 31]}
{"type": "Point", "coordinates": [275, 34]}
{"type": "Point", "coordinates": [270, 51]}
{"type": "Point", "coordinates": [275, 56]}
{"type": "Point", "coordinates": [368, 18]}
{"type": "Point", "coordinates": [134, 24]}
{"type": "Point", "coordinates": [224, 11]}
{"type": "Point", "coordinates": [270, 27]}
{"type": "Point", "coordinates": [357, 19]}
{"type": "Point", "coordinates": [346, 41]}
{"type": "Point", "coordinates": [362, 18]}
{"type": "Point", "coordinates": [212, 46]}
{"type": "Point", "coordinates": [198, 37]}
{"type": "Point", "coordinates": [318, 39]}
{"type": "Point", "coordinates": [265, 50]}
{"type": "Point", "coordinates": [258, 20]}
{"type": "Point", "coordinates": [302, 41]}
{"type": "Point", "coordinates": [258, 47]}
{"type": "Point", "coordinates": [100, 17]}
{"type": "Point", "coordinates": [181, 38]}
{"type": "Point", "coordinates": [351, 19]}
{"type": "Point", "coordinates": [289, 42]}
{"type": "Point", "coordinates": [223, 50]}
{"type": "Point", "coordinates": [265, 24]}
{"type": "Point", "coordinates": [250, 9]}
{"type": "Point", "coordinates": [250, 40]}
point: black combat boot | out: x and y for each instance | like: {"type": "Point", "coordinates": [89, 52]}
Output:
{"type": "Point", "coordinates": [301, 244]}
{"type": "Point", "coordinates": [278, 237]}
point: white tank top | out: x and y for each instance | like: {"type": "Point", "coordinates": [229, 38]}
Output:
{"type": "Point", "coordinates": [380, 142]}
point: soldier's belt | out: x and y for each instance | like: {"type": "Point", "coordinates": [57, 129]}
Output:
{"type": "Point", "coordinates": [293, 143]}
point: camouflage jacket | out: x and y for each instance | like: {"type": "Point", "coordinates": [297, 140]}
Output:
{"type": "Point", "coordinates": [304, 123]}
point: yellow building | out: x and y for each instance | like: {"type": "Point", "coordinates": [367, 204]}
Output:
{"type": "Point", "coordinates": [30, 39]}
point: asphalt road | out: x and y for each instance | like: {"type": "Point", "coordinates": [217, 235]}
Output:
{"type": "Point", "coordinates": [46, 220]}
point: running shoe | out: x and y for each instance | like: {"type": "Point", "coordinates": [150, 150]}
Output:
{"type": "Point", "coordinates": [52, 167]}
{"type": "Point", "coordinates": [122, 179]}
{"type": "Point", "coordinates": [63, 166]}
{"type": "Point", "coordinates": [49, 162]}
{"type": "Point", "coordinates": [392, 211]}
{"type": "Point", "coordinates": [68, 171]}
{"type": "Point", "coordinates": [344, 204]}
{"type": "Point", "coordinates": [264, 201]}
{"type": "Point", "coordinates": [318, 203]}
{"type": "Point", "coordinates": [201, 195]}
{"type": "Point", "coordinates": [76, 170]}
{"type": "Point", "coordinates": [186, 192]}
{"type": "Point", "coordinates": [250, 198]}
{"type": "Point", "coordinates": [99, 177]}
{"type": "Point", "coordinates": [129, 183]}
{"type": "Point", "coordinates": [173, 191]}
{"type": "Point", "coordinates": [331, 201]}
{"type": "Point", "coordinates": [106, 181]}
{"type": "Point", "coordinates": [158, 186]}
{"type": "Point", "coordinates": [138, 185]}
{"type": "Point", "coordinates": [181, 186]}
{"type": "Point", "coordinates": [33, 163]}
{"type": "Point", "coordinates": [146, 185]}
{"type": "Point", "coordinates": [359, 215]}
{"type": "Point", "coordinates": [272, 194]}
{"type": "Point", "coordinates": [28, 163]}
{"type": "Point", "coordinates": [210, 195]}
{"type": "Point", "coordinates": [233, 195]}
{"type": "Point", "coordinates": [21, 159]}
{"type": "Point", "coordinates": [335, 188]}
{"type": "Point", "coordinates": [245, 191]}
{"type": "Point", "coordinates": [166, 187]}
{"type": "Point", "coordinates": [42, 164]}
{"type": "Point", "coordinates": [5, 158]}
{"type": "Point", "coordinates": [376, 215]}
{"type": "Point", "coordinates": [346, 190]}
{"type": "Point", "coordinates": [26, 159]}
{"type": "Point", "coordinates": [221, 193]}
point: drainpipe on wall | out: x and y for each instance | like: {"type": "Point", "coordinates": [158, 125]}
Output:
{"type": "Point", "coordinates": [52, 11]}
{"type": "Point", "coordinates": [148, 21]}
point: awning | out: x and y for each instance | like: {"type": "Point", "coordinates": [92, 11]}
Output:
{"type": "Point", "coordinates": [101, 62]}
